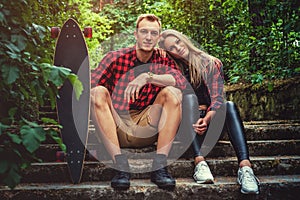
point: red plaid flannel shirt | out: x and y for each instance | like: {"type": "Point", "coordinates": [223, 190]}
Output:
{"type": "Point", "coordinates": [211, 92]}
{"type": "Point", "coordinates": [117, 69]}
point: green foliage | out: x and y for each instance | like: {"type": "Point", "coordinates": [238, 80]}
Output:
{"type": "Point", "coordinates": [18, 145]}
{"type": "Point", "coordinates": [123, 17]}
{"type": "Point", "coordinates": [273, 49]}
{"type": "Point", "coordinates": [255, 45]}
{"type": "Point", "coordinates": [102, 27]}
{"type": "Point", "coordinates": [27, 79]}
{"type": "Point", "coordinates": [226, 29]}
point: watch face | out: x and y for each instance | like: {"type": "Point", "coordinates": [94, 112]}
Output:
{"type": "Point", "coordinates": [150, 74]}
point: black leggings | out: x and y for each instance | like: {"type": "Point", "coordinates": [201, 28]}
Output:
{"type": "Point", "coordinates": [232, 122]}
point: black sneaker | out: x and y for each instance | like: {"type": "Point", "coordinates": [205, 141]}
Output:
{"type": "Point", "coordinates": [163, 179]}
{"type": "Point", "coordinates": [121, 181]}
{"type": "Point", "coordinates": [160, 175]}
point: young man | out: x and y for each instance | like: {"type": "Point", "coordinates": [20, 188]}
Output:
{"type": "Point", "coordinates": [136, 101]}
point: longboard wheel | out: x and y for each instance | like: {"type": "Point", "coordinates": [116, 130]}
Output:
{"type": "Point", "coordinates": [55, 32]}
{"type": "Point", "coordinates": [60, 156]}
{"type": "Point", "coordinates": [88, 32]}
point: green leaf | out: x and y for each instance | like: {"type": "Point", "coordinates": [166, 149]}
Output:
{"type": "Point", "coordinates": [3, 166]}
{"type": "Point", "coordinates": [12, 112]}
{"type": "Point", "coordinates": [3, 127]}
{"type": "Point", "coordinates": [32, 124]}
{"type": "Point", "coordinates": [270, 87]}
{"type": "Point", "coordinates": [13, 177]}
{"type": "Point", "coordinates": [20, 41]}
{"type": "Point", "coordinates": [58, 75]}
{"type": "Point", "coordinates": [54, 135]}
{"type": "Point", "coordinates": [32, 137]}
{"type": "Point", "coordinates": [47, 120]}
{"type": "Point", "coordinates": [2, 18]}
{"type": "Point", "coordinates": [40, 30]}
{"type": "Point", "coordinates": [15, 138]}
{"type": "Point", "coordinates": [10, 73]}
{"type": "Point", "coordinates": [77, 85]}
{"type": "Point", "coordinates": [13, 48]}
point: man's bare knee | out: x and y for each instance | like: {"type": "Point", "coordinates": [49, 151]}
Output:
{"type": "Point", "coordinates": [99, 96]}
{"type": "Point", "coordinates": [171, 94]}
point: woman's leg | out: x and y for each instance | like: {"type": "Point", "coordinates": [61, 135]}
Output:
{"type": "Point", "coordinates": [190, 112]}
{"type": "Point", "coordinates": [236, 134]}
{"type": "Point", "coordinates": [246, 178]}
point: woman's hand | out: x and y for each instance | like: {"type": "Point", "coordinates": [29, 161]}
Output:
{"type": "Point", "coordinates": [162, 52]}
{"type": "Point", "coordinates": [201, 126]}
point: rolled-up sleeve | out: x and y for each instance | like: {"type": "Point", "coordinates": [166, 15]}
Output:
{"type": "Point", "coordinates": [180, 80]}
{"type": "Point", "coordinates": [215, 85]}
{"type": "Point", "coordinates": [102, 74]}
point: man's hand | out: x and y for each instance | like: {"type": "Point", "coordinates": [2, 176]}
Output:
{"type": "Point", "coordinates": [133, 88]}
{"type": "Point", "coordinates": [162, 52]}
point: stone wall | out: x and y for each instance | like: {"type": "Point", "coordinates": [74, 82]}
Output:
{"type": "Point", "coordinates": [257, 103]}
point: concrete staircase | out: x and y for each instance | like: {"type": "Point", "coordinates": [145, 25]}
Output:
{"type": "Point", "coordinates": [274, 149]}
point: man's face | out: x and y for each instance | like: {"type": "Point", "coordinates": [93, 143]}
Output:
{"type": "Point", "coordinates": [147, 35]}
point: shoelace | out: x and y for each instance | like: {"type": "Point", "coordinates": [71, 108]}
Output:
{"type": "Point", "coordinates": [203, 166]}
{"type": "Point", "coordinates": [249, 177]}
{"type": "Point", "coordinates": [163, 172]}
{"type": "Point", "coordinates": [122, 174]}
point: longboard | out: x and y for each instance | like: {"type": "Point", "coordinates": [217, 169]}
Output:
{"type": "Point", "coordinates": [73, 114]}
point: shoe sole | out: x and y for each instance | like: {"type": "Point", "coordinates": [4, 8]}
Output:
{"type": "Point", "coordinates": [121, 187]}
{"type": "Point", "coordinates": [249, 192]}
{"type": "Point", "coordinates": [165, 186]}
{"type": "Point", "coordinates": [246, 192]}
{"type": "Point", "coordinates": [207, 181]}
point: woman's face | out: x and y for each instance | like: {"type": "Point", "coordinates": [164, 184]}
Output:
{"type": "Point", "coordinates": [177, 47]}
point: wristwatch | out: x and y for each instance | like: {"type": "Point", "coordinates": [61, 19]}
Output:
{"type": "Point", "coordinates": [150, 74]}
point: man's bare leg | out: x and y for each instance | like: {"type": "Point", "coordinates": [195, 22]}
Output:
{"type": "Point", "coordinates": [102, 115]}
{"type": "Point", "coordinates": [168, 119]}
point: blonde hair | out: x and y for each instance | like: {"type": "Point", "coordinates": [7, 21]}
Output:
{"type": "Point", "coordinates": [198, 60]}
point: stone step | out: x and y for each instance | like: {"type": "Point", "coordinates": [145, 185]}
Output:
{"type": "Point", "coordinates": [254, 130]}
{"type": "Point", "coordinates": [102, 171]}
{"type": "Point", "coordinates": [272, 130]}
{"type": "Point", "coordinates": [47, 152]}
{"type": "Point", "coordinates": [271, 187]}
{"type": "Point", "coordinates": [262, 130]}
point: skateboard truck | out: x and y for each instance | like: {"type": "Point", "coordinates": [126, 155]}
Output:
{"type": "Point", "coordinates": [55, 32]}
{"type": "Point", "coordinates": [87, 32]}
{"type": "Point", "coordinates": [60, 156]}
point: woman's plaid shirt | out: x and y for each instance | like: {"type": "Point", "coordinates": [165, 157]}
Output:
{"type": "Point", "coordinates": [118, 68]}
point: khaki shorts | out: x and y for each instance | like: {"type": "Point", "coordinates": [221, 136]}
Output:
{"type": "Point", "coordinates": [134, 129]}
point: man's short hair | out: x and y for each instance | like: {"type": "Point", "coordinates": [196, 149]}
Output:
{"type": "Point", "coordinates": [149, 17]}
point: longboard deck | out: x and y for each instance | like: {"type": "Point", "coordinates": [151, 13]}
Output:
{"type": "Point", "coordinates": [71, 52]}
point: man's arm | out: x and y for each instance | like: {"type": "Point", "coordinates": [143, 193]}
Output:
{"type": "Point", "coordinates": [133, 88]}
{"type": "Point", "coordinates": [161, 80]}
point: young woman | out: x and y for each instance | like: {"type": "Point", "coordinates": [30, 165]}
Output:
{"type": "Point", "coordinates": [205, 74]}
